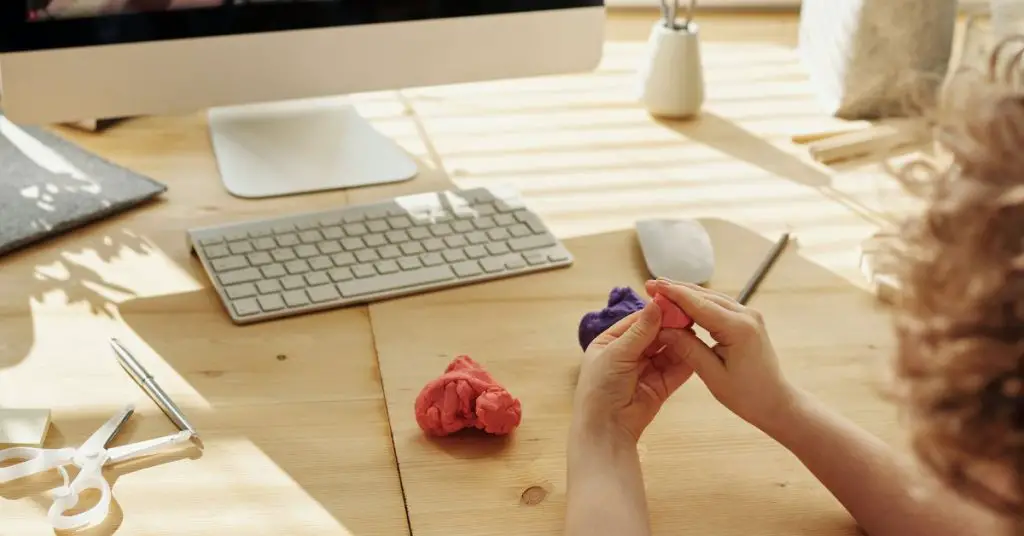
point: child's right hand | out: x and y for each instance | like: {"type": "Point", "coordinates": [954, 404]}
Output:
{"type": "Point", "coordinates": [741, 370]}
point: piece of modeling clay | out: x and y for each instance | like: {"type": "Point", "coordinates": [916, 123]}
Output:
{"type": "Point", "coordinates": [671, 315]}
{"type": "Point", "coordinates": [466, 396]}
{"type": "Point", "coordinates": [622, 302]}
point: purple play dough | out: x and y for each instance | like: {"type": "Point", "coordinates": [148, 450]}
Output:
{"type": "Point", "coordinates": [622, 301]}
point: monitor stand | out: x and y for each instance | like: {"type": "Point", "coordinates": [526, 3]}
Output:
{"type": "Point", "coordinates": [294, 147]}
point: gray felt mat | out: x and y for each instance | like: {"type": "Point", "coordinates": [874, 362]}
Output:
{"type": "Point", "coordinates": [42, 196]}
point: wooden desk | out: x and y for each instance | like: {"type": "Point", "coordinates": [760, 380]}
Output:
{"type": "Point", "coordinates": [295, 420]}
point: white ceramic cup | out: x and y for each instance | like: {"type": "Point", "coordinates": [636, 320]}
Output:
{"type": "Point", "coordinates": [672, 75]}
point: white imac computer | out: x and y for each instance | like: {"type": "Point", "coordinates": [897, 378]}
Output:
{"type": "Point", "coordinates": [272, 74]}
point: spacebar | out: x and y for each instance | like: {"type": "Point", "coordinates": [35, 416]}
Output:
{"type": "Point", "coordinates": [400, 280]}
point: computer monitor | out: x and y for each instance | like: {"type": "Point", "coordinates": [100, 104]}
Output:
{"type": "Point", "coordinates": [273, 74]}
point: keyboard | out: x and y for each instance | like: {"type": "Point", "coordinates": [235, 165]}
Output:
{"type": "Point", "coordinates": [302, 263]}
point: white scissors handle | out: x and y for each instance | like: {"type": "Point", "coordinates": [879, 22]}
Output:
{"type": "Point", "coordinates": [36, 461]}
{"type": "Point", "coordinates": [66, 498]}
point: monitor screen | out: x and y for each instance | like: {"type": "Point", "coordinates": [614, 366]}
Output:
{"type": "Point", "coordinates": [51, 24]}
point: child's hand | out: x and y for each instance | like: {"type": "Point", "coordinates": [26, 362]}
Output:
{"type": "Point", "coordinates": [742, 370]}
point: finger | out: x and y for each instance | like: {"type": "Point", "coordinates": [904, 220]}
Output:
{"type": "Point", "coordinates": [685, 346]}
{"type": "Point", "coordinates": [703, 309]}
{"type": "Point", "coordinates": [617, 329]}
{"type": "Point", "coordinates": [674, 370]}
{"type": "Point", "coordinates": [720, 297]}
{"type": "Point", "coordinates": [640, 334]}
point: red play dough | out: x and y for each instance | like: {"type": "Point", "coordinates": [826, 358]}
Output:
{"type": "Point", "coordinates": [466, 396]}
{"type": "Point", "coordinates": [671, 315]}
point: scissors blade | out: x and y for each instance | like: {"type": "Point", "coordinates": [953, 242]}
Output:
{"type": "Point", "coordinates": [142, 448]}
{"type": "Point", "coordinates": [99, 440]}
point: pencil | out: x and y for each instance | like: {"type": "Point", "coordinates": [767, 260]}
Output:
{"type": "Point", "coordinates": [763, 269]}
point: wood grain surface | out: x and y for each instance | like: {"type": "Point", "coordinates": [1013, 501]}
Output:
{"type": "Point", "coordinates": [308, 422]}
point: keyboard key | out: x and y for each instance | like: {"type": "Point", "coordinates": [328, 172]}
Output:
{"type": "Point", "coordinates": [376, 213]}
{"type": "Point", "coordinates": [340, 274]}
{"type": "Point", "coordinates": [520, 230]}
{"type": "Point", "coordinates": [433, 244]}
{"type": "Point", "coordinates": [236, 236]}
{"type": "Point", "coordinates": [375, 240]}
{"type": "Point", "coordinates": [271, 303]}
{"type": "Point", "coordinates": [412, 248]}
{"type": "Point", "coordinates": [259, 258]}
{"type": "Point", "coordinates": [329, 246]}
{"type": "Point", "coordinates": [535, 257]}
{"type": "Point", "coordinates": [303, 225]}
{"type": "Point", "coordinates": [241, 290]}
{"type": "Point", "coordinates": [455, 241]}
{"type": "Point", "coordinates": [498, 234]}
{"type": "Point", "coordinates": [212, 240]}
{"type": "Point", "coordinates": [293, 282]}
{"type": "Point", "coordinates": [269, 287]}
{"type": "Point", "coordinates": [409, 263]}
{"type": "Point", "coordinates": [462, 226]}
{"type": "Point", "coordinates": [283, 228]}
{"type": "Point", "coordinates": [297, 267]}
{"type": "Point", "coordinates": [476, 237]}
{"type": "Point", "coordinates": [441, 229]}
{"type": "Point", "coordinates": [333, 233]}
{"type": "Point", "coordinates": [467, 268]}
{"type": "Point", "coordinates": [273, 270]}
{"type": "Point", "coordinates": [213, 252]}
{"type": "Point", "coordinates": [484, 209]}
{"type": "Point", "coordinates": [265, 244]}
{"type": "Point", "coordinates": [363, 271]}
{"type": "Point", "coordinates": [397, 237]}
{"type": "Point", "coordinates": [505, 220]}
{"type": "Point", "coordinates": [399, 222]}
{"type": "Point", "coordinates": [352, 244]}
{"type": "Point", "coordinates": [514, 262]}
{"type": "Point", "coordinates": [508, 205]}
{"type": "Point", "coordinates": [306, 251]}
{"type": "Point", "coordinates": [296, 298]}
{"type": "Point", "coordinates": [246, 307]}
{"type": "Point", "coordinates": [323, 293]}
{"type": "Point", "coordinates": [356, 229]}
{"type": "Point", "coordinates": [492, 265]}
{"type": "Point", "coordinates": [343, 259]}
{"type": "Point", "coordinates": [229, 263]}
{"type": "Point", "coordinates": [330, 220]}
{"type": "Point", "coordinates": [259, 233]}
{"type": "Point", "coordinates": [321, 263]}
{"type": "Point", "coordinates": [281, 255]}
{"type": "Point", "coordinates": [286, 240]}
{"type": "Point", "coordinates": [310, 237]}
{"type": "Point", "coordinates": [454, 255]}
{"type": "Point", "coordinates": [556, 255]}
{"type": "Point", "coordinates": [377, 226]}
{"type": "Point", "coordinates": [532, 221]}
{"type": "Point", "coordinates": [475, 252]}
{"type": "Point", "coordinates": [432, 259]}
{"type": "Point", "coordinates": [317, 278]}
{"type": "Point", "coordinates": [245, 275]}
{"type": "Point", "coordinates": [367, 255]}
{"type": "Point", "coordinates": [497, 248]}
{"type": "Point", "coordinates": [354, 217]}
{"type": "Point", "coordinates": [423, 276]}
{"type": "Point", "coordinates": [389, 252]}
{"type": "Point", "coordinates": [531, 242]}
{"type": "Point", "coordinates": [419, 233]}
{"type": "Point", "coordinates": [484, 223]}
{"type": "Point", "coordinates": [387, 267]}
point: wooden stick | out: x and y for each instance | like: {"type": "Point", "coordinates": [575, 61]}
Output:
{"type": "Point", "coordinates": [762, 270]}
{"type": "Point", "coordinates": [861, 143]}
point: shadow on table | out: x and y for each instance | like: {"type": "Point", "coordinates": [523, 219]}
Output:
{"type": "Point", "coordinates": [54, 269]}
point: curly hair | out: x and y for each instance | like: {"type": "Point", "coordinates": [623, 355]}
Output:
{"type": "Point", "coordinates": [960, 310]}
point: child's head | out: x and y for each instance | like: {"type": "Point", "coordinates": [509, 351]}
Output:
{"type": "Point", "coordinates": [960, 316]}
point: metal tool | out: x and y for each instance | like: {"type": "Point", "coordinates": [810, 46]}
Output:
{"type": "Point", "coordinates": [763, 269]}
{"type": "Point", "coordinates": [90, 458]}
{"type": "Point", "coordinates": [149, 385]}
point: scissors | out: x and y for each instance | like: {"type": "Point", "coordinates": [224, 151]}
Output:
{"type": "Point", "coordinates": [90, 458]}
